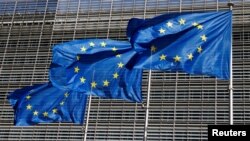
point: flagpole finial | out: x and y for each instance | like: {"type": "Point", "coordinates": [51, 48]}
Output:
{"type": "Point", "coordinates": [231, 5]}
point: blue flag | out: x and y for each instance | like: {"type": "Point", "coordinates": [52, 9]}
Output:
{"type": "Point", "coordinates": [196, 43]}
{"type": "Point", "coordinates": [98, 67]}
{"type": "Point", "coordinates": [45, 103]}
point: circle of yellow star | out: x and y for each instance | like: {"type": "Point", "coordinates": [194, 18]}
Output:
{"type": "Point", "coordinates": [162, 31]}
{"type": "Point", "coordinates": [66, 94]}
{"type": "Point", "coordinates": [195, 23]}
{"type": "Point", "coordinates": [153, 49]}
{"type": "Point", "coordinates": [182, 21]}
{"type": "Point", "coordinates": [82, 79]}
{"type": "Point", "coordinates": [106, 83]}
{"type": "Point", "coordinates": [169, 24]}
{"type": "Point", "coordinates": [200, 27]}
{"type": "Point", "coordinates": [115, 75]}
{"type": "Point", "coordinates": [120, 65]}
{"type": "Point", "coordinates": [114, 49]}
{"type": "Point", "coordinates": [204, 38]}
{"type": "Point", "coordinates": [62, 103]}
{"type": "Point", "coordinates": [93, 84]}
{"type": "Point", "coordinates": [199, 49]}
{"type": "Point", "coordinates": [35, 113]}
{"type": "Point", "coordinates": [118, 55]}
{"type": "Point", "coordinates": [83, 49]}
{"type": "Point", "coordinates": [103, 44]}
{"type": "Point", "coordinates": [78, 57]}
{"type": "Point", "coordinates": [28, 97]}
{"type": "Point", "coordinates": [28, 107]}
{"type": "Point", "coordinates": [54, 111]}
{"type": "Point", "coordinates": [190, 56]}
{"type": "Point", "coordinates": [163, 57]}
{"type": "Point", "coordinates": [177, 58]}
{"type": "Point", "coordinates": [45, 114]}
{"type": "Point", "coordinates": [76, 69]}
{"type": "Point", "coordinates": [91, 44]}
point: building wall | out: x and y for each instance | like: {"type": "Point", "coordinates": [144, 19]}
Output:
{"type": "Point", "coordinates": [181, 106]}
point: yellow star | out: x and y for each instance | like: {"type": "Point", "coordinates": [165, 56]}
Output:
{"type": "Point", "coordinates": [204, 38]}
{"type": "Point", "coordinates": [115, 75]}
{"type": "Point", "coordinates": [114, 49]}
{"type": "Point", "coordinates": [93, 84]}
{"type": "Point", "coordinates": [153, 49]}
{"type": "Point", "coordinates": [106, 83]}
{"type": "Point", "coordinates": [182, 21]}
{"type": "Point", "coordinates": [177, 58]}
{"type": "Point", "coordinates": [54, 111]}
{"type": "Point", "coordinates": [195, 23]}
{"type": "Point", "coordinates": [82, 79]}
{"type": "Point", "coordinates": [45, 114]}
{"type": "Point", "coordinates": [163, 57]}
{"type": "Point", "coordinates": [62, 103]}
{"type": "Point", "coordinates": [162, 31]}
{"type": "Point", "coordinates": [28, 97]}
{"type": "Point", "coordinates": [190, 56]}
{"type": "Point", "coordinates": [103, 44]}
{"type": "Point", "coordinates": [169, 24]}
{"type": "Point", "coordinates": [91, 44]}
{"type": "Point", "coordinates": [200, 27]}
{"type": "Point", "coordinates": [77, 69]}
{"type": "Point", "coordinates": [118, 55]}
{"type": "Point", "coordinates": [83, 49]}
{"type": "Point", "coordinates": [199, 49]}
{"type": "Point", "coordinates": [120, 65]}
{"type": "Point", "coordinates": [77, 57]}
{"type": "Point", "coordinates": [28, 107]}
{"type": "Point", "coordinates": [35, 113]}
{"type": "Point", "coordinates": [66, 94]}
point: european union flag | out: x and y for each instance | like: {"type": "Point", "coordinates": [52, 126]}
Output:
{"type": "Point", "coordinates": [97, 67]}
{"type": "Point", "coordinates": [196, 43]}
{"type": "Point", "coordinates": [45, 103]}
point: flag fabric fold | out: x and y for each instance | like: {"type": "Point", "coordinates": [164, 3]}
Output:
{"type": "Point", "coordinates": [195, 43]}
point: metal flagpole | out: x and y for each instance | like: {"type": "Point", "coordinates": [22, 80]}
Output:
{"type": "Point", "coordinates": [87, 120]}
{"type": "Point", "coordinates": [89, 105]}
{"type": "Point", "coordinates": [148, 90]}
{"type": "Point", "coordinates": [231, 76]}
{"type": "Point", "coordinates": [147, 106]}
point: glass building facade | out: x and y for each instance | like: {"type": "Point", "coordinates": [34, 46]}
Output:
{"type": "Point", "coordinates": [181, 106]}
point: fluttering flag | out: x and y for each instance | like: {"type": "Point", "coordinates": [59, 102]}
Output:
{"type": "Point", "coordinates": [45, 103]}
{"type": "Point", "coordinates": [195, 43]}
{"type": "Point", "coordinates": [97, 67]}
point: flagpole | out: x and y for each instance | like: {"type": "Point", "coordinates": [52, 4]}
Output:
{"type": "Point", "coordinates": [87, 119]}
{"type": "Point", "coordinates": [148, 90]}
{"type": "Point", "coordinates": [89, 105]}
{"type": "Point", "coordinates": [231, 76]}
{"type": "Point", "coordinates": [147, 106]}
